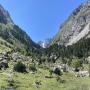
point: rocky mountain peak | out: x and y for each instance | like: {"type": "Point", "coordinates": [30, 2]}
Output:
{"type": "Point", "coordinates": [4, 16]}
{"type": "Point", "coordinates": [45, 43]}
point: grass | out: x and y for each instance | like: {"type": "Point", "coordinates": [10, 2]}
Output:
{"type": "Point", "coordinates": [26, 81]}
{"type": "Point", "coordinates": [3, 80]}
{"type": "Point", "coordinates": [4, 45]}
{"type": "Point", "coordinates": [86, 66]}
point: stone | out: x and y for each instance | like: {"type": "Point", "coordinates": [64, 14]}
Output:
{"type": "Point", "coordinates": [3, 65]}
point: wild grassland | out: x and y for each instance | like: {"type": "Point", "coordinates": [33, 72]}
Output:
{"type": "Point", "coordinates": [25, 81]}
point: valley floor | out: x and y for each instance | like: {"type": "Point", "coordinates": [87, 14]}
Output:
{"type": "Point", "coordinates": [27, 81]}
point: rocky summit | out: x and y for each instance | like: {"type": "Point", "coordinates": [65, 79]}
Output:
{"type": "Point", "coordinates": [5, 16]}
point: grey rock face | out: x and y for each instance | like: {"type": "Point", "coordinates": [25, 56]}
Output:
{"type": "Point", "coordinates": [4, 16]}
{"type": "Point", "coordinates": [75, 24]}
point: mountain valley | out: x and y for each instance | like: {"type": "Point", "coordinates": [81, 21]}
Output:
{"type": "Point", "coordinates": [58, 63]}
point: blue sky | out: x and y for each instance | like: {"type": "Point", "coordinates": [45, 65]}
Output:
{"type": "Point", "coordinates": [41, 19]}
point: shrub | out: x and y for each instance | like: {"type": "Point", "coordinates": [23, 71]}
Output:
{"type": "Point", "coordinates": [57, 71]}
{"type": "Point", "coordinates": [32, 68]}
{"type": "Point", "coordinates": [76, 64]}
{"type": "Point", "coordinates": [20, 67]}
{"type": "Point", "coordinates": [51, 72]}
{"type": "Point", "coordinates": [60, 80]}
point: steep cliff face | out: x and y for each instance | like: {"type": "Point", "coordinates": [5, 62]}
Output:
{"type": "Point", "coordinates": [12, 34]}
{"type": "Point", "coordinates": [4, 16]}
{"type": "Point", "coordinates": [76, 27]}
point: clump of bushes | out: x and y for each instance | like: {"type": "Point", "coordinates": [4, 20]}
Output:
{"type": "Point", "coordinates": [20, 67]}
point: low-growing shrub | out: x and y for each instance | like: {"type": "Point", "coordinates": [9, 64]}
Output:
{"type": "Point", "coordinates": [60, 80]}
{"type": "Point", "coordinates": [57, 71]}
{"type": "Point", "coordinates": [51, 72]}
{"type": "Point", "coordinates": [32, 68]}
{"type": "Point", "coordinates": [20, 67]}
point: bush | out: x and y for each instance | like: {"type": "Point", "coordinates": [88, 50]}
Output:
{"type": "Point", "coordinates": [57, 71]}
{"type": "Point", "coordinates": [20, 67]}
{"type": "Point", "coordinates": [32, 68]}
{"type": "Point", "coordinates": [51, 72]}
{"type": "Point", "coordinates": [76, 64]}
{"type": "Point", "coordinates": [60, 80]}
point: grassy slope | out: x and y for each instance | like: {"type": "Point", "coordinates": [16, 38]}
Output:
{"type": "Point", "coordinates": [3, 46]}
{"type": "Point", "coordinates": [25, 81]}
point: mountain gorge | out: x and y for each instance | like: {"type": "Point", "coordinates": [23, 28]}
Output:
{"type": "Point", "coordinates": [77, 26]}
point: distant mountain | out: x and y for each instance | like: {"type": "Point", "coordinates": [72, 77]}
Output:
{"type": "Point", "coordinates": [77, 26]}
{"type": "Point", "coordinates": [45, 43]}
{"type": "Point", "coordinates": [12, 36]}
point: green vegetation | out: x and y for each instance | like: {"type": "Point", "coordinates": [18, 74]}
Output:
{"type": "Point", "coordinates": [26, 81]}
{"type": "Point", "coordinates": [80, 51]}
{"type": "Point", "coordinates": [32, 68]}
{"type": "Point", "coordinates": [14, 38]}
{"type": "Point", "coordinates": [19, 67]}
{"type": "Point", "coordinates": [76, 64]}
{"type": "Point", "coordinates": [46, 68]}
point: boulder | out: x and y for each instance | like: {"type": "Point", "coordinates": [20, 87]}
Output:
{"type": "Point", "coordinates": [4, 56]}
{"type": "Point", "coordinates": [4, 65]}
{"type": "Point", "coordinates": [82, 74]}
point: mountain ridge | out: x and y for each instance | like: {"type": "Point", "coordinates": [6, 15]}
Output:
{"type": "Point", "coordinates": [73, 25]}
{"type": "Point", "coordinates": [13, 34]}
